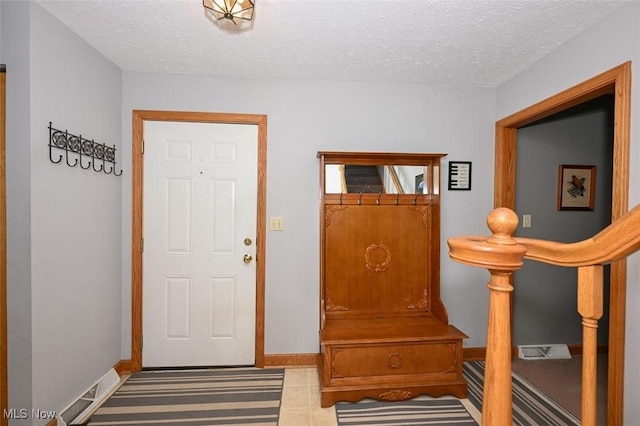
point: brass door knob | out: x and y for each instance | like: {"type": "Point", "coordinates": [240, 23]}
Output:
{"type": "Point", "coordinates": [247, 258]}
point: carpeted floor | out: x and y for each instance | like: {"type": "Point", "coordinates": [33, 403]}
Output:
{"type": "Point", "coordinates": [561, 379]}
{"type": "Point", "coordinates": [531, 406]}
{"type": "Point", "coordinates": [243, 396]}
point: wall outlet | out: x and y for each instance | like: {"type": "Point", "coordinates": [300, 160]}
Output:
{"type": "Point", "coordinates": [526, 221]}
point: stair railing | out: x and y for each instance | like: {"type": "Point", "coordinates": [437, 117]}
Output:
{"type": "Point", "coordinates": [502, 254]}
{"type": "Point", "coordinates": [395, 179]}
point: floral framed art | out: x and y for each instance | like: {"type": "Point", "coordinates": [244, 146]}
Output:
{"type": "Point", "coordinates": [576, 187]}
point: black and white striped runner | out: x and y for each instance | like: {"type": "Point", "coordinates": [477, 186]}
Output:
{"type": "Point", "coordinates": [422, 410]}
{"type": "Point", "coordinates": [243, 396]}
{"type": "Point", "coordinates": [530, 407]}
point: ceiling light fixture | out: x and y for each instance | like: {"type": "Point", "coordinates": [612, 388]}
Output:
{"type": "Point", "coordinates": [230, 9]}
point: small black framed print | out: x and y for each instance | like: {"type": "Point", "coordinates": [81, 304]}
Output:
{"type": "Point", "coordinates": [460, 175]}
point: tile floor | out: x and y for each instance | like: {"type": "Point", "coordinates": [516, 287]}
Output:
{"type": "Point", "coordinates": [300, 405]}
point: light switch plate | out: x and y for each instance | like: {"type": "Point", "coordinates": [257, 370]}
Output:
{"type": "Point", "coordinates": [276, 223]}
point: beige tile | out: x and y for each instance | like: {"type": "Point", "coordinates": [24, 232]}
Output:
{"type": "Point", "coordinates": [301, 400]}
{"type": "Point", "coordinates": [313, 376]}
{"type": "Point", "coordinates": [295, 417]}
{"type": "Point", "coordinates": [296, 376]}
{"type": "Point", "coordinates": [323, 416]}
{"type": "Point", "coordinates": [295, 396]}
{"type": "Point", "coordinates": [314, 396]}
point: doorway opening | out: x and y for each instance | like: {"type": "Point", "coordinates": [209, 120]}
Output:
{"type": "Point", "coordinates": [616, 82]}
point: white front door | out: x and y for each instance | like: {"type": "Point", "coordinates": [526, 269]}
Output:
{"type": "Point", "coordinates": [199, 230]}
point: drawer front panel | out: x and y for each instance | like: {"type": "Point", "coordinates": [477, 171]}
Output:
{"type": "Point", "coordinates": [442, 358]}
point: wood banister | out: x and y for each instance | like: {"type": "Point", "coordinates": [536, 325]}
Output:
{"type": "Point", "coordinates": [502, 254]}
{"type": "Point", "coordinates": [617, 241]}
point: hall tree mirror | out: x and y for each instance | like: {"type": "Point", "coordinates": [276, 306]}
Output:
{"type": "Point", "coordinates": [406, 175]}
{"type": "Point", "coordinates": [385, 179]}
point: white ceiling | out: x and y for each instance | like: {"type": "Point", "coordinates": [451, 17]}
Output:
{"type": "Point", "coordinates": [453, 42]}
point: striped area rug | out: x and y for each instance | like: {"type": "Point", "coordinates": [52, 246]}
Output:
{"type": "Point", "coordinates": [242, 396]}
{"type": "Point", "coordinates": [422, 410]}
{"type": "Point", "coordinates": [530, 407]}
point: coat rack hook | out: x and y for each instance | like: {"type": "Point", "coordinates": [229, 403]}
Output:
{"type": "Point", "coordinates": [56, 140]}
{"type": "Point", "coordinates": [397, 196]}
{"type": "Point", "coordinates": [86, 150]}
{"type": "Point", "coordinates": [360, 199]}
{"type": "Point", "coordinates": [340, 202]}
{"type": "Point", "coordinates": [378, 200]}
{"type": "Point", "coordinates": [66, 153]}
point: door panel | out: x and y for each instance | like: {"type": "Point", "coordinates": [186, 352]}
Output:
{"type": "Point", "coordinates": [200, 195]}
{"type": "Point", "coordinates": [177, 304]}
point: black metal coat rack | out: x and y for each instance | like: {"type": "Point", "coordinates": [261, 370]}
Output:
{"type": "Point", "coordinates": [77, 150]}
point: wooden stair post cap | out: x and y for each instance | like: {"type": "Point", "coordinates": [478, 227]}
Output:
{"type": "Point", "coordinates": [500, 251]}
{"type": "Point", "coordinates": [503, 223]}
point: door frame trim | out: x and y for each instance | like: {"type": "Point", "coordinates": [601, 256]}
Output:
{"type": "Point", "coordinates": [139, 116]}
{"type": "Point", "coordinates": [616, 81]}
{"type": "Point", "coordinates": [4, 372]}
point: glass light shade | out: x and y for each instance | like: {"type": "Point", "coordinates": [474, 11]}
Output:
{"type": "Point", "coordinates": [230, 9]}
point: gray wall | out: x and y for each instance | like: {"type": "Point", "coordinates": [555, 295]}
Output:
{"type": "Point", "coordinates": [604, 46]}
{"type": "Point", "coordinates": [63, 223]}
{"type": "Point", "coordinates": [545, 297]}
{"type": "Point", "coordinates": [303, 118]}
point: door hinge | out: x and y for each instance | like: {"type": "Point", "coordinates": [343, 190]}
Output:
{"type": "Point", "coordinates": [141, 245]}
{"type": "Point", "coordinates": [141, 341]}
{"type": "Point", "coordinates": [142, 147]}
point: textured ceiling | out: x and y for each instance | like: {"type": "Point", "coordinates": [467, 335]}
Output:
{"type": "Point", "coordinates": [454, 42]}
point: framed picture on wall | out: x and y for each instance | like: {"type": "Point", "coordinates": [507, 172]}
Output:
{"type": "Point", "coordinates": [576, 187]}
{"type": "Point", "coordinates": [459, 175]}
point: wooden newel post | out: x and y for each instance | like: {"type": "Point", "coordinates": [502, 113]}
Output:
{"type": "Point", "coordinates": [590, 307]}
{"type": "Point", "coordinates": [501, 255]}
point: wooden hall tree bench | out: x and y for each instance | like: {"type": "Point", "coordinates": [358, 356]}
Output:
{"type": "Point", "coordinates": [384, 331]}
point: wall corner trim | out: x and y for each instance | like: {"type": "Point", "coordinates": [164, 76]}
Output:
{"type": "Point", "coordinates": [123, 367]}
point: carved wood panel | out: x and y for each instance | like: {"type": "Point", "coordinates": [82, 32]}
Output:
{"type": "Point", "coordinates": [377, 257]}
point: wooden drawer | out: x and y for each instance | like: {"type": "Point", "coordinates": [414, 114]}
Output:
{"type": "Point", "coordinates": [418, 361]}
